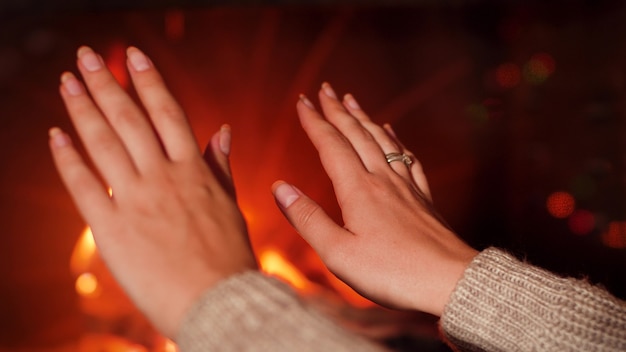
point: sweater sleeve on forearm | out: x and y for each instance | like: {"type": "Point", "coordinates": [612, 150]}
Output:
{"type": "Point", "coordinates": [254, 312]}
{"type": "Point", "coordinates": [503, 304]}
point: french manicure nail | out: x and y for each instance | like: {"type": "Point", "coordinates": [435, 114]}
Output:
{"type": "Point", "coordinates": [71, 84]}
{"type": "Point", "coordinates": [225, 138]}
{"type": "Point", "coordinates": [58, 138]}
{"type": "Point", "coordinates": [138, 60]}
{"type": "Point", "coordinates": [286, 194]}
{"type": "Point", "coordinates": [89, 59]}
{"type": "Point", "coordinates": [328, 90]}
{"type": "Point", "coordinates": [307, 102]}
{"type": "Point", "coordinates": [352, 103]}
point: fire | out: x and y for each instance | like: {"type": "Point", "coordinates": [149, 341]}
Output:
{"type": "Point", "coordinates": [84, 252]}
{"type": "Point", "coordinates": [273, 263]}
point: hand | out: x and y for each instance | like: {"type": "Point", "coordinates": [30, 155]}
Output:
{"type": "Point", "coordinates": [392, 247]}
{"type": "Point", "coordinates": [172, 228]}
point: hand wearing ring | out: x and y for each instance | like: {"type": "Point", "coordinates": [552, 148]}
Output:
{"type": "Point", "coordinates": [391, 246]}
{"type": "Point", "coordinates": [406, 159]}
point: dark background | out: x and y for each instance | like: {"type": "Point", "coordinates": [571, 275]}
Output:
{"type": "Point", "coordinates": [494, 150]}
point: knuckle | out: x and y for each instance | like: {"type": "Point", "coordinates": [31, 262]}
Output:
{"type": "Point", "coordinates": [305, 214]}
{"type": "Point", "coordinates": [106, 144]}
{"type": "Point", "coordinates": [170, 111]}
{"type": "Point", "coordinates": [126, 114]}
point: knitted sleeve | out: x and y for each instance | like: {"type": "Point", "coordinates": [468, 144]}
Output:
{"type": "Point", "coordinates": [502, 304]}
{"type": "Point", "coordinates": [253, 312]}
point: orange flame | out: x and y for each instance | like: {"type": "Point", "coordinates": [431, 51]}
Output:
{"type": "Point", "coordinates": [273, 263]}
{"type": "Point", "coordinates": [84, 252]}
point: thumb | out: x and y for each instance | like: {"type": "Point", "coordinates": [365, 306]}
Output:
{"type": "Point", "coordinates": [308, 218]}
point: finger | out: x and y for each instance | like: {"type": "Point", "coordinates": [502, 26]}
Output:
{"type": "Point", "coordinates": [417, 171]}
{"type": "Point", "coordinates": [165, 113]}
{"type": "Point", "coordinates": [363, 142]}
{"type": "Point", "coordinates": [102, 143]}
{"type": "Point", "coordinates": [386, 142]}
{"type": "Point", "coordinates": [88, 193]}
{"type": "Point", "coordinates": [309, 219]}
{"type": "Point", "coordinates": [121, 112]}
{"type": "Point", "coordinates": [338, 157]}
{"type": "Point", "coordinates": [216, 155]}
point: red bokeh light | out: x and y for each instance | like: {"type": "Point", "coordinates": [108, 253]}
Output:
{"type": "Point", "coordinates": [508, 75]}
{"type": "Point", "coordinates": [560, 204]}
{"type": "Point", "coordinates": [582, 222]}
{"type": "Point", "coordinates": [615, 236]}
{"type": "Point", "coordinates": [539, 68]}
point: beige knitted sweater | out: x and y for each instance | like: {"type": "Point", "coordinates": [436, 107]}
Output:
{"type": "Point", "coordinates": [500, 304]}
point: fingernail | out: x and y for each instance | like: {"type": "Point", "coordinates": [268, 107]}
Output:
{"type": "Point", "coordinates": [58, 138]}
{"type": "Point", "coordinates": [138, 60]}
{"type": "Point", "coordinates": [390, 130]}
{"type": "Point", "coordinates": [89, 59]}
{"type": "Point", "coordinates": [307, 102]}
{"type": "Point", "coordinates": [349, 99]}
{"type": "Point", "coordinates": [71, 84]}
{"type": "Point", "coordinates": [328, 90]}
{"type": "Point", "coordinates": [286, 194]}
{"type": "Point", "coordinates": [225, 138]}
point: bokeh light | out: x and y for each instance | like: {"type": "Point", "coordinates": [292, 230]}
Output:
{"type": "Point", "coordinates": [87, 285]}
{"type": "Point", "coordinates": [508, 75]}
{"type": "Point", "coordinates": [581, 222]}
{"type": "Point", "coordinates": [170, 346]}
{"type": "Point", "coordinates": [615, 236]}
{"type": "Point", "coordinates": [539, 68]}
{"type": "Point", "coordinates": [560, 204]}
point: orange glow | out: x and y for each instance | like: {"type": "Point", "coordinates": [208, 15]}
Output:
{"type": "Point", "coordinates": [116, 62]}
{"type": "Point", "coordinates": [87, 285]}
{"type": "Point", "coordinates": [508, 75]}
{"type": "Point", "coordinates": [170, 346]}
{"type": "Point", "coordinates": [83, 253]}
{"type": "Point", "coordinates": [107, 343]}
{"type": "Point", "coordinates": [615, 236]}
{"type": "Point", "coordinates": [582, 222]}
{"type": "Point", "coordinates": [349, 294]}
{"type": "Point", "coordinates": [560, 204]}
{"type": "Point", "coordinates": [273, 263]}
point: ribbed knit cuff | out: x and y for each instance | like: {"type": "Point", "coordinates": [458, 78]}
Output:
{"type": "Point", "coordinates": [503, 304]}
{"type": "Point", "coordinates": [254, 312]}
